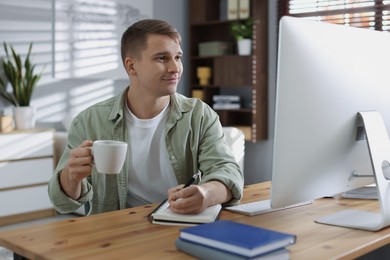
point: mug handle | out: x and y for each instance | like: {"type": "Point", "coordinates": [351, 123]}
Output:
{"type": "Point", "coordinates": [93, 161]}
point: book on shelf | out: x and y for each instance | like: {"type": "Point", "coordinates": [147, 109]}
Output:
{"type": "Point", "coordinates": [237, 238]}
{"type": "Point", "coordinates": [226, 102]}
{"type": "Point", "coordinates": [226, 105]}
{"type": "Point", "coordinates": [223, 10]}
{"type": "Point", "coordinates": [164, 216]}
{"type": "Point", "coordinates": [206, 252]}
{"type": "Point", "coordinates": [232, 9]}
{"type": "Point", "coordinates": [226, 98]}
{"type": "Point", "coordinates": [243, 9]}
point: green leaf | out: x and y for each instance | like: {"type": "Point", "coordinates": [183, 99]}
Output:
{"type": "Point", "coordinates": [242, 29]}
{"type": "Point", "coordinates": [20, 75]}
{"type": "Point", "coordinates": [17, 59]}
{"type": "Point", "coordinates": [6, 50]}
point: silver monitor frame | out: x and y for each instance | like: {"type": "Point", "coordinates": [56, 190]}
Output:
{"type": "Point", "coordinates": [325, 78]}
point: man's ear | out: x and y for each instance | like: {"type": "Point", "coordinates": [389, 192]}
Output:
{"type": "Point", "coordinates": [130, 66]}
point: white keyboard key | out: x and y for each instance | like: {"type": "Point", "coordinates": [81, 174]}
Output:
{"type": "Point", "coordinates": [260, 207]}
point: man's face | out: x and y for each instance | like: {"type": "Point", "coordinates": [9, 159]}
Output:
{"type": "Point", "coordinates": [158, 70]}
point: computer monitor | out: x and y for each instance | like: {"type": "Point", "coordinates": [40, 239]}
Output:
{"type": "Point", "coordinates": [327, 74]}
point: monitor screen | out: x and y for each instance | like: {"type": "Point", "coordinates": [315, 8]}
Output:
{"type": "Point", "coordinates": [327, 74]}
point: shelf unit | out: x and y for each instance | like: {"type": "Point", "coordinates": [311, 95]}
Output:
{"type": "Point", "coordinates": [26, 166]}
{"type": "Point", "coordinates": [232, 74]}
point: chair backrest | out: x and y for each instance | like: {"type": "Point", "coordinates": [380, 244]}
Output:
{"type": "Point", "coordinates": [60, 141]}
{"type": "Point", "coordinates": [236, 141]}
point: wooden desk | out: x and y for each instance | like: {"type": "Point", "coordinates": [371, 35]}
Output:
{"type": "Point", "coordinates": [127, 233]}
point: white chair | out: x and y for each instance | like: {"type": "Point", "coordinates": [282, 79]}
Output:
{"type": "Point", "coordinates": [60, 141]}
{"type": "Point", "coordinates": [236, 141]}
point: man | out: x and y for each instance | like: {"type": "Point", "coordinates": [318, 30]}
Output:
{"type": "Point", "coordinates": [170, 137]}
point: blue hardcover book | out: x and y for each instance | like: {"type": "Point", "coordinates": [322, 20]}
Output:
{"type": "Point", "coordinates": [205, 252]}
{"type": "Point", "coordinates": [237, 238]}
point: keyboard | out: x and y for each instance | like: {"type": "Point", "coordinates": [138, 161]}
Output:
{"type": "Point", "coordinates": [260, 207]}
{"type": "Point", "coordinates": [366, 192]}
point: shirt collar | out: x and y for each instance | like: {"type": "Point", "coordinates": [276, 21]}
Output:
{"type": "Point", "coordinates": [179, 105]}
{"type": "Point", "coordinates": [117, 108]}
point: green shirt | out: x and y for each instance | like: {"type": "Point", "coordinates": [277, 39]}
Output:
{"type": "Point", "coordinates": [194, 140]}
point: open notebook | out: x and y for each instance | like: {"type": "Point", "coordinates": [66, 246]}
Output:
{"type": "Point", "coordinates": [163, 215]}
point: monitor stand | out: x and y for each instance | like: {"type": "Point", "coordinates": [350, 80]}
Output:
{"type": "Point", "coordinates": [379, 148]}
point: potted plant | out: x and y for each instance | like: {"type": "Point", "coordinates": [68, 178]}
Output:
{"type": "Point", "coordinates": [243, 31]}
{"type": "Point", "coordinates": [23, 80]}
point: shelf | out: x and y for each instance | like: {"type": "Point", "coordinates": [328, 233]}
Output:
{"type": "Point", "coordinates": [213, 57]}
{"type": "Point", "coordinates": [241, 110]}
{"type": "Point", "coordinates": [26, 159]}
{"type": "Point", "coordinates": [216, 22]}
{"type": "Point", "coordinates": [232, 74]}
{"type": "Point", "coordinates": [197, 86]}
{"type": "Point", "coordinates": [232, 117]}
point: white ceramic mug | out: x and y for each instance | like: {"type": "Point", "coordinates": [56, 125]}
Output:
{"type": "Point", "coordinates": [109, 156]}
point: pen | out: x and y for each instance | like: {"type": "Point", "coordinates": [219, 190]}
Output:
{"type": "Point", "coordinates": [192, 180]}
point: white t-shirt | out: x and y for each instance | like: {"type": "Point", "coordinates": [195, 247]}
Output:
{"type": "Point", "coordinates": [150, 172]}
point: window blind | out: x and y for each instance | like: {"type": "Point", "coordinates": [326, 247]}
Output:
{"type": "Point", "coordinates": [88, 32]}
{"type": "Point", "coordinates": [370, 14]}
{"type": "Point", "coordinates": [25, 21]}
{"type": "Point", "coordinates": [71, 38]}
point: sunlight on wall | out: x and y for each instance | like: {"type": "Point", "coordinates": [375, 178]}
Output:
{"type": "Point", "coordinates": [51, 107]}
{"type": "Point", "coordinates": [37, 145]}
{"type": "Point", "coordinates": [79, 40]}
{"type": "Point", "coordinates": [64, 99]}
{"type": "Point", "coordinates": [84, 96]}
{"type": "Point", "coordinates": [25, 21]}
{"type": "Point", "coordinates": [88, 34]}
{"type": "Point", "coordinates": [110, 65]}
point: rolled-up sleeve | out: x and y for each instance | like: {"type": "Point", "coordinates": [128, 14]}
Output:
{"type": "Point", "coordinates": [216, 160]}
{"type": "Point", "coordinates": [63, 203]}
{"type": "Point", "coordinates": [197, 142]}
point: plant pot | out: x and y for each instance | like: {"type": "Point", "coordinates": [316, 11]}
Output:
{"type": "Point", "coordinates": [24, 118]}
{"type": "Point", "coordinates": [244, 46]}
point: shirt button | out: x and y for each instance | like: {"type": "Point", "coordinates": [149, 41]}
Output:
{"type": "Point", "coordinates": [172, 157]}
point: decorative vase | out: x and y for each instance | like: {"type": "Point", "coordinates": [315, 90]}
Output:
{"type": "Point", "coordinates": [24, 117]}
{"type": "Point", "coordinates": [204, 75]}
{"type": "Point", "coordinates": [244, 46]}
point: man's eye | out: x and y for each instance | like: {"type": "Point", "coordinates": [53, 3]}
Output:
{"type": "Point", "coordinates": [161, 58]}
{"type": "Point", "coordinates": [178, 57]}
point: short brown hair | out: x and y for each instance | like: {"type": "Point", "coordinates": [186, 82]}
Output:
{"type": "Point", "coordinates": [134, 39]}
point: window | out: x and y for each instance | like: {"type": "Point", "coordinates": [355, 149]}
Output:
{"type": "Point", "coordinates": [71, 38]}
{"type": "Point", "coordinates": [88, 34]}
{"type": "Point", "coordinates": [371, 14]}
{"type": "Point", "coordinates": [28, 21]}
